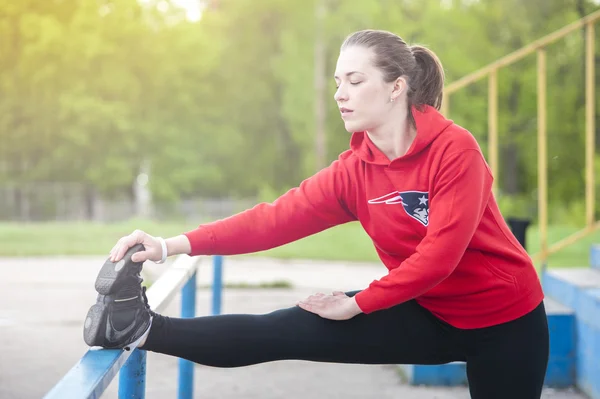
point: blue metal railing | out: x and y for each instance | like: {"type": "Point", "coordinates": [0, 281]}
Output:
{"type": "Point", "coordinates": [217, 284]}
{"type": "Point", "coordinates": [93, 373]}
{"type": "Point", "coordinates": [186, 368]}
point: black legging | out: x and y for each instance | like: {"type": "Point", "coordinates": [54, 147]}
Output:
{"type": "Point", "coordinates": [504, 361]}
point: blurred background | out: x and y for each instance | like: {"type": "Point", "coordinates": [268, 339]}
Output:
{"type": "Point", "coordinates": [118, 115]}
{"type": "Point", "coordinates": [123, 114]}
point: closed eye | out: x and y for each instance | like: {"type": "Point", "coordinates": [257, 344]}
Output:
{"type": "Point", "coordinates": [352, 83]}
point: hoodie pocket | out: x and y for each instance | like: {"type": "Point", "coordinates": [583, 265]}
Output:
{"type": "Point", "coordinates": [501, 274]}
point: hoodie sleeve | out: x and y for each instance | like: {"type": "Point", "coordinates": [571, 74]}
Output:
{"type": "Point", "coordinates": [317, 204]}
{"type": "Point", "coordinates": [459, 198]}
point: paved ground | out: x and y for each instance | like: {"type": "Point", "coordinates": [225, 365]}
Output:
{"type": "Point", "coordinates": [43, 302]}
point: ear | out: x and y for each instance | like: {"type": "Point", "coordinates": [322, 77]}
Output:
{"type": "Point", "coordinates": [399, 88]}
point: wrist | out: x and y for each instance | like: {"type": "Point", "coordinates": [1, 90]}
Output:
{"type": "Point", "coordinates": [163, 250]}
{"type": "Point", "coordinates": [355, 308]}
{"type": "Point", "coordinates": [178, 245]}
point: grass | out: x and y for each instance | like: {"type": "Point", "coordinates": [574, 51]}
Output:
{"type": "Point", "coordinates": [76, 238]}
{"type": "Point", "coordinates": [575, 255]}
{"type": "Point", "coordinates": [279, 284]}
{"type": "Point", "coordinates": [345, 243]}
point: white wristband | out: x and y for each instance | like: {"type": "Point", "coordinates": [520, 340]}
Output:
{"type": "Point", "coordinates": [163, 244]}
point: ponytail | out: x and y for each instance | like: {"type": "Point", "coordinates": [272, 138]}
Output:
{"type": "Point", "coordinates": [427, 80]}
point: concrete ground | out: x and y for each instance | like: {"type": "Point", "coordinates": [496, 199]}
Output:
{"type": "Point", "coordinates": [43, 302]}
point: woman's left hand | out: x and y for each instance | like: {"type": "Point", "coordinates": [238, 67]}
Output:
{"type": "Point", "coordinates": [337, 306]}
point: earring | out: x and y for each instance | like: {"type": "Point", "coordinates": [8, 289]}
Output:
{"type": "Point", "coordinates": [391, 99]}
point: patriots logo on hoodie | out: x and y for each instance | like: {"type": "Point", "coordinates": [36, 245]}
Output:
{"type": "Point", "coordinates": [415, 203]}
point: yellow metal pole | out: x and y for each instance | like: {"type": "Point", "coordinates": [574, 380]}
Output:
{"type": "Point", "coordinates": [542, 155]}
{"type": "Point", "coordinates": [522, 52]}
{"type": "Point", "coordinates": [445, 105]}
{"type": "Point", "coordinates": [590, 107]}
{"type": "Point", "coordinates": [493, 126]}
{"type": "Point", "coordinates": [565, 242]}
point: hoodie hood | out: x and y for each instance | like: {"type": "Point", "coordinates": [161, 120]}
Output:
{"type": "Point", "coordinates": [430, 124]}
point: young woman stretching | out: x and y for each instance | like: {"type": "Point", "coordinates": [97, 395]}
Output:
{"type": "Point", "coordinates": [459, 286]}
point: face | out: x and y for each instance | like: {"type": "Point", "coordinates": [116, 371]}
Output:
{"type": "Point", "coordinates": [362, 95]}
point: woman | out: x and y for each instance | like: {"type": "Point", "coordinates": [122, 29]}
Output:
{"type": "Point", "coordinates": [459, 286]}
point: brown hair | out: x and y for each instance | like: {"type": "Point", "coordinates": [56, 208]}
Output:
{"type": "Point", "coordinates": [421, 67]}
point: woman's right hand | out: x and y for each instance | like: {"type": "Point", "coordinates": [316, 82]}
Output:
{"type": "Point", "coordinates": [153, 249]}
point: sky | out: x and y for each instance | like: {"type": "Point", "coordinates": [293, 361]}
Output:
{"type": "Point", "coordinates": [192, 7]}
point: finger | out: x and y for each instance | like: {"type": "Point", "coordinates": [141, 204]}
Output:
{"type": "Point", "coordinates": [314, 299]}
{"type": "Point", "coordinates": [137, 237]}
{"type": "Point", "coordinates": [315, 303]}
{"type": "Point", "coordinates": [123, 245]}
{"type": "Point", "coordinates": [339, 293]}
{"type": "Point", "coordinates": [127, 243]}
{"type": "Point", "coordinates": [114, 249]}
{"type": "Point", "coordinates": [140, 256]}
{"type": "Point", "coordinates": [307, 307]}
{"type": "Point", "coordinates": [120, 252]}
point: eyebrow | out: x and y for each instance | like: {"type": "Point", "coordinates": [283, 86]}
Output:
{"type": "Point", "coordinates": [348, 74]}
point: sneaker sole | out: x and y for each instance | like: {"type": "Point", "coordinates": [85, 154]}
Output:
{"type": "Point", "coordinates": [95, 325]}
{"type": "Point", "coordinates": [107, 281]}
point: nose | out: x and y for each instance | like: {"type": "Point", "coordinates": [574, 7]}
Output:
{"type": "Point", "coordinates": [340, 95]}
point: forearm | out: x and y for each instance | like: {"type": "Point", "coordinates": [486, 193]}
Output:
{"type": "Point", "coordinates": [400, 285]}
{"type": "Point", "coordinates": [317, 204]}
{"type": "Point", "coordinates": [259, 229]}
{"type": "Point", "coordinates": [178, 245]}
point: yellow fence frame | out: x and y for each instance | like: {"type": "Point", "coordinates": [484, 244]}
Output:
{"type": "Point", "coordinates": [491, 72]}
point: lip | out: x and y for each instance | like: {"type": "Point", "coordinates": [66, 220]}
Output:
{"type": "Point", "coordinates": [345, 112]}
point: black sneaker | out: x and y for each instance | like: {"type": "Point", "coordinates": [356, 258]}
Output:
{"type": "Point", "coordinates": [121, 315]}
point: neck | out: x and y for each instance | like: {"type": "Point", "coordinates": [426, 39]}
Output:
{"type": "Point", "coordinates": [395, 136]}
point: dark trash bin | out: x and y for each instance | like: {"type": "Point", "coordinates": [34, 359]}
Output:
{"type": "Point", "coordinates": [519, 229]}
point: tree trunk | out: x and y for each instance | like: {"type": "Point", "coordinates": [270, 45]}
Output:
{"type": "Point", "coordinates": [320, 88]}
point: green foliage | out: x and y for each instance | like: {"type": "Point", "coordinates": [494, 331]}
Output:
{"type": "Point", "coordinates": [517, 206]}
{"type": "Point", "coordinates": [89, 90]}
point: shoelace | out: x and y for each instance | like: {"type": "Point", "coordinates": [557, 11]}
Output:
{"type": "Point", "coordinates": [152, 313]}
{"type": "Point", "coordinates": [145, 297]}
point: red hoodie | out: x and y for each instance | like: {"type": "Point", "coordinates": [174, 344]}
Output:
{"type": "Point", "coordinates": [430, 213]}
